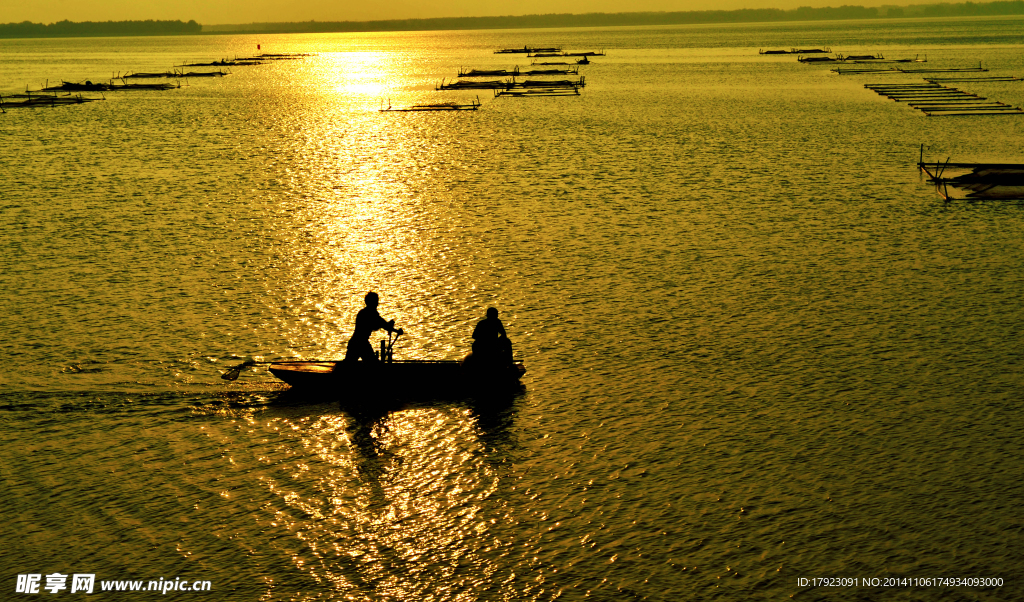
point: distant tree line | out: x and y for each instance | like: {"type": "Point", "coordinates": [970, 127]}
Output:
{"type": "Point", "coordinates": [806, 13]}
{"type": "Point", "coordinates": [69, 29]}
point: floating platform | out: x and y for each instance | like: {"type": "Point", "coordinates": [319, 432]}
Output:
{"type": "Point", "coordinates": [472, 85]}
{"type": "Point", "coordinates": [526, 50]}
{"type": "Point", "coordinates": [489, 72]}
{"type": "Point", "coordinates": [537, 92]}
{"type": "Point", "coordinates": [89, 86]}
{"type": "Point", "coordinates": [891, 70]}
{"type": "Point", "coordinates": [30, 100]}
{"type": "Point", "coordinates": [934, 99]}
{"type": "Point", "coordinates": [825, 50]}
{"type": "Point", "coordinates": [441, 106]}
{"type": "Point", "coordinates": [173, 74]}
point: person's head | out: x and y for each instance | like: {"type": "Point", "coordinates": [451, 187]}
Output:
{"type": "Point", "coordinates": [492, 312]}
{"type": "Point", "coordinates": [372, 299]}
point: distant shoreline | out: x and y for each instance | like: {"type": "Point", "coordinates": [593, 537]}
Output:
{"type": "Point", "coordinates": [64, 29]}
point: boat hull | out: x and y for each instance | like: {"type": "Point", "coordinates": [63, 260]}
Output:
{"type": "Point", "coordinates": [405, 377]}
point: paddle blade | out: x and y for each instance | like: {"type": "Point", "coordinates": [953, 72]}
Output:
{"type": "Point", "coordinates": [233, 373]}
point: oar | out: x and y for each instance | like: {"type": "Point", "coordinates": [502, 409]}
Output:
{"type": "Point", "coordinates": [233, 373]}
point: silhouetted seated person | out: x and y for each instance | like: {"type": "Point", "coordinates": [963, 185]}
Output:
{"type": "Point", "coordinates": [367, 321]}
{"type": "Point", "coordinates": [491, 346]}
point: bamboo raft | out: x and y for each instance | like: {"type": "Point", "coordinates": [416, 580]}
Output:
{"type": "Point", "coordinates": [934, 99]}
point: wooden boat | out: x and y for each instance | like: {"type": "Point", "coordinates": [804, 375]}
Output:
{"type": "Point", "coordinates": [404, 376]}
{"type": "Point", "coordinates": [979, 180]}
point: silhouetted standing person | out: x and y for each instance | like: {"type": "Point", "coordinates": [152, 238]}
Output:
{"type": "Point", "coordinates": [490, 343]}
{"type": "Point", "coordinates": [367, 321]}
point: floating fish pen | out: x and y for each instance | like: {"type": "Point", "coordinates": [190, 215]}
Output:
{"type": "Point", "coordinates": [149, 75]}
{"type": "Point", "coordinates": [224, 63]}
{"type": "Point", "coordinates": [525, 50]}
{"type": "Point", "coordinates": [88, 86]}
{"type": "Point", "coordinates": [979, 68]}
{"type": "Point", "coordinates": [856, 71]}
{"type": "Point", "coordinates": [205, 74]}
{"type": "Point", "coordinates": [996, 181]}
{"type": "Point", "coordinates": [880, 60]}
{"type": "Point", "coordinates": [818, 59]}
{"type": "Point", "coordinates": [938, 100]}
{"type": "Point", "coordinates": [470, 85]}
{"type": "Point", "coordinates": [489, 72]}
{"type": "Point", "coordinates": [538, 83]}
{"type": "Point", "coordinates": [1006, 78]}
{"type": "Point", "coordinates": [572, 71]}
{"type": "Point", "coordinates": [798, 51]}
{"type": "Point", "coordinates": [30, 100]}
{"type": "Point", "coordinates": [440, 106]}
{"type": "Point", "coordinates": [170, 74]}
{"type": "Point", "coordinates": [537, 92]}
{"type": "Point", "coordinates": [279, 56]}
{"type": "Point", "coordinates": [903, 70]}
{"type": "Point", "coordinates": [582, 61]}
{"type": "Point", "coordinates": [585, 55]}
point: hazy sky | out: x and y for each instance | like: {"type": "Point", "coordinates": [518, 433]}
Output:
{"type": "Point", "coordinates": [213, 12]}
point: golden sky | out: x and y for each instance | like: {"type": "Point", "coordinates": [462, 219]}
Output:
{"type": "Point", "coordinates": [216, 12]}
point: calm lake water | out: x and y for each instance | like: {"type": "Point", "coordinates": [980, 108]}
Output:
{"type": "Point", "coordinates": [760, 347]}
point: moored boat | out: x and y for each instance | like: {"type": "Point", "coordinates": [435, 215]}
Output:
{"type": "Point", "coordinates": [404, 376]}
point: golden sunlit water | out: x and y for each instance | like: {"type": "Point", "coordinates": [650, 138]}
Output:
{"type": "Point", "coordinates": [760, 348]}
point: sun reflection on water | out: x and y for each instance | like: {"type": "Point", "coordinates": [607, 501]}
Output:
{"type": "Point", "coordinates": [371, 208]}
{"type": "Point", "coordinates": [395, 505]}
